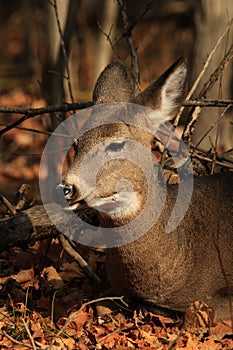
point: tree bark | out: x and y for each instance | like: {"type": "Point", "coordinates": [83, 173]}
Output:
{"type": "Point", "coordinates": [211, 19]}
{"type": "Point", "coordinates": [35, 224]}
{"type": "Point", "coordinates": [25, 228]}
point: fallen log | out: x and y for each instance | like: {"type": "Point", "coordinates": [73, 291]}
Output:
{"type": "Point", "coordinates": [34, 224]}
{"type": "Point", "coordinates": [25, 228]}
{"type": "Point", "coordinates": [38, 223]}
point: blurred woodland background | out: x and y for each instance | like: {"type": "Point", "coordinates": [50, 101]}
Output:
{"type": "Point", "coordinates": [52, 52]}
{"type": "Point", "coordinates": [33, 70]}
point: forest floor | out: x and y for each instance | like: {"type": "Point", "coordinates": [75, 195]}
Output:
{"type": "Point", "coordinates": [46, 301]}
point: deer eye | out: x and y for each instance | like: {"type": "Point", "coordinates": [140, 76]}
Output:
{"type": "Point", "coordinates": [115, 146]}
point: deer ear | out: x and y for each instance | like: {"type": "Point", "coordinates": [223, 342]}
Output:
{"type": "Point", "coordinates": [165, 94]}
{"type": "Point", "coordinates": [114, 84]}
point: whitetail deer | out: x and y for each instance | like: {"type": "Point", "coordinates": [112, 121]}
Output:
{"type": "Point", "coordinates": [195, 261]}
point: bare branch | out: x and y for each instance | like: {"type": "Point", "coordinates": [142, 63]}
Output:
{"type": "Point", "coordinates": [218, 71]}
{"type": "Point", "coordinates": [132, 25]}
{"type": "Point", "coordinates": [7, 204]}
{"type": "Point", "coordinates": [141, 15]}
{"type": "Point", "coordinates": [63, 50]}
{"type": "Point", "coordinates": [30, 130]}
{"type": "Point", "coordinates": [64, 241]}
{"type": "Point", "coordinates": [133, 52]}
{"type": "Point", "coordinates": [108, 37]}
{"type": "Point", "coordinates": [195, 112]}
{"type": "Point", "coordinates": [14, 341]}
{"type": "Point", "coordinates": [207, 103]}
{"type": "Point", "coordinates": [226, 165]}
{"type": "Point", "coordinates": [29, 334]}
{"type": "Point", "coordinates": [66, 107]}
{"type": "Point", "coordinates": [212, 126]}
{"type": "Point", "coordinates": [31, 112]}
{"type": "Point", "coordinates": [201, 74]}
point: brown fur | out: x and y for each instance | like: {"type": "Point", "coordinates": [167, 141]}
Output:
{"type": "Point", "coordinates": [195, 261]}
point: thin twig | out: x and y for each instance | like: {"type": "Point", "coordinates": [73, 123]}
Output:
{"type": "Point", "coordinates": [63, 50]}
{"type": "Point", "coordinates": [221, 159]}
{"type": "Point", "coordinates": [195, 112]}
{"type": "Point", "coordinates": [211, 128]}
{"type": "Point", "coordinates": [185, 326]}
{"type": "Point", "coordinates": [218, 71]}
{"type": "Point", "coordinates": [218, 126]}
{"type": "Point", "coordinates": [133, 52]}
{"type": "Point", "coordinates": [9, 206]}
{"type": "Point", "coordinates": [82, 263]}
{"type": "Point", "coordinates": [31, 112]}
{"type": "Point", "coordinates": [64, 107]}
{"type": "Point", "coordinates": [21, 197]}
{"type": "Point", "coordinates": [29, 129]}
{"type": "Point", "coordinates": [188, 130]}
{"type": "Point", "coordinates": [110, 334]}
{"type": "Point", "coordinates": [208, 160]}
{"type": "Point", "coordinates": [37, 132]}
{"type": "Point", "coordinates": [207, 103]}
{"type": "Point", "coordinates": [134, 23]}
{"type": "Point", "coordinates": [140, 16]}
{"type": "Point", "coordinates": [108, 37]}
{"type": "Point", "coordinates": [14, 341]}
{"type": "Point", "coordinates": [29, 334]}
{"type": "Point", "coordinates": [202, 72]}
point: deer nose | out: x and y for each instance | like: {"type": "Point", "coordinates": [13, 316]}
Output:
{"type": "Point", "coordinates": [64, 192]}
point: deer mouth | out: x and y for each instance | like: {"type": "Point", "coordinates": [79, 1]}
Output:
{"type": "Point", "coordinates": [69, 198]}
{"type": "Point", "coordinates": [111, 204]}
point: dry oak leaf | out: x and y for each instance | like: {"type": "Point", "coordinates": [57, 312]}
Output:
{"type": "Point", "coordinates": [220, 330]}
{"type": "Point", "coordinates": [199, 315]}
{"type": "Point", "coordinates": [70, 271]}
{"type": "Point", "coordinates": [81, 318]}
{"type": "Point", "coordinates": [53, 279]}
{"type": "Point", "coordinates": [21, 277]}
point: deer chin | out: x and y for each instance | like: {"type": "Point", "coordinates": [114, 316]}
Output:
{"type": "Point", "coordinates": [114, 203]}
{"type": "Point", "coordinates": [76, 206]}
{"type": "Point", "coordinates": [120, 208]}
